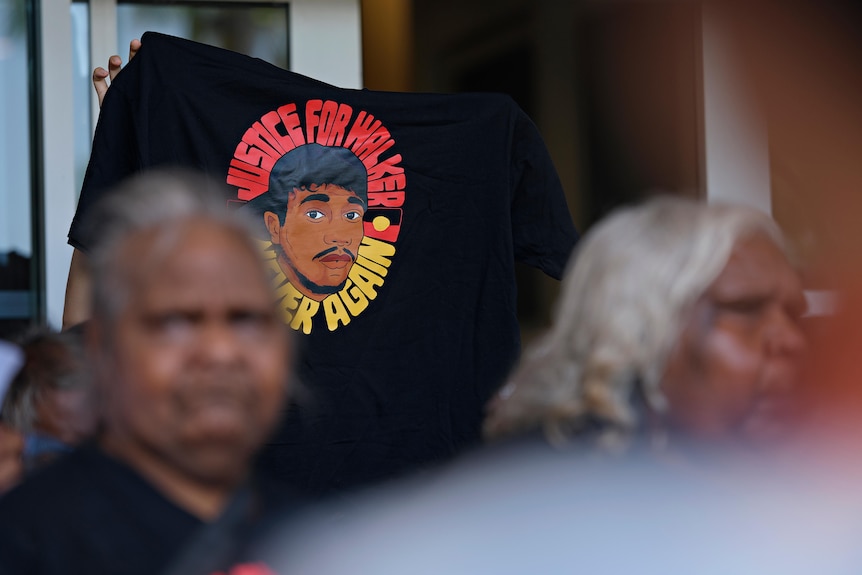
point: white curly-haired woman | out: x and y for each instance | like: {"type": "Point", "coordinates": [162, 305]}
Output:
{"type": "Point", "coordinates": [677, 324]}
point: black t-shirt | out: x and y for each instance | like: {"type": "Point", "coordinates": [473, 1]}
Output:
{"type": "Point", "coordinates": [90, 514]}
{"type": "Point", "coordinates": [400, 359]}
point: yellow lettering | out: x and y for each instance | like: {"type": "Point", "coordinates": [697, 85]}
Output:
{"type": "Point", "coordinates": [267, 250]}
{"type": "Point", "coordinates": [367, 263]}
{"type": "Point", "coordinates": [278, 276]}
{"type": "Point", "coordinates": [269, 255]}
{"type": "Point", "coordinates": [377, 251]}
{"type": "Point", "coordinates": [366, 275]}
{"type": "Point", "coordinates": [366, 280]}
{"type": "Point", "coordinates": [353, 298]}
{"type": "Point", "coordinates": [335, 312]}
{"type": "Point", "coordinates": [302, 318]}
{"type": "Point", "coordinates": [288, 300]}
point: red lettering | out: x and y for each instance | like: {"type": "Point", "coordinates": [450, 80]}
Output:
{"type": "Point", "coordinates": [364, 126]}
{"type": "Point", "coordinates": [387, 199]}
{"type": "Point", "coordinates": [291, 122]}
{"type": "Point", "coordinates": [389, 183]}
{"type": "Point", "coordinates": [328, 116]}
{"type": "Point", "coordinates": [250, 180]}
{"type": "Point", "coordinates": [339, 125]}
{"type": "Point", "coordinates": [249, 154]}
{"type": "Point", "coordinates": [328, 123]}
{"type": "Point", "coordinates": [252, 138]}
{"type": "Point", "coordinates": [387, 166]}
{"type": "Point", "coordinates": [372, 157]}
{"type": "Point", "coordinates": [386, 175]}
{"type": "Point", "coordinates": [267, 137]}
{"type": "Point", "coordinates": [371, 143]}
{"type": "Point", "coordinates": [246, 189]}
{"type": "Point", "coordinates": [271, 121]}
{"type": "Point", "coordinates": [312, 118]}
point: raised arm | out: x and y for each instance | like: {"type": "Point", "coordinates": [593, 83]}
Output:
{"type": "Point", "coordinates": [76, 307]}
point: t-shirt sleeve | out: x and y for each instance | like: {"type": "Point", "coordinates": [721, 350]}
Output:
{"type": "Point", "coordinates": [542, 227]}
{"type": "Point", "coordinates": [113, 158]}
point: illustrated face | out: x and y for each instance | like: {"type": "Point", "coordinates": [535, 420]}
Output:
{"type": "Point", "coordinates": [319, 239]}
{"type": "Point", "coordinates": [199, 356]}
{"type": "Point", "coordinates": [736, 365]}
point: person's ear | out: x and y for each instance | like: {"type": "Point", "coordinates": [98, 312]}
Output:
{"type": "Point", "coordinates": [273, 225]}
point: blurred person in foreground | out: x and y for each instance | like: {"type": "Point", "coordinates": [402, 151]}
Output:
{"type": "Point", "coordinates": [677, 343]}
{"type": "Point", "coordinates": [191, 362]}
{"type": "Point", "coordinates": [678, 328]}
{"type": "Point", "coordinates": [50, 401]}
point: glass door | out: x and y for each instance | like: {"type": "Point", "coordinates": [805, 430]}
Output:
{"type": "Point", "coordinates": [18, 258]}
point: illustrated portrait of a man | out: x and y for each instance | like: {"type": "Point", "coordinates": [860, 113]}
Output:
{"type": "Point", "coordinates": [313, 213]}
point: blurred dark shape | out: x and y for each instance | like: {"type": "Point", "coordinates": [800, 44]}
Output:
{"type": "Point", "coordinates": [51, 400]}
{"type": "Point", "coordinates": [14, 271]}
{"type": "Point", "coordinates": [15, 277]}
{"type": "Point", "coordinates": [799, 61]}
{"type": "Point", "coordinates": [638, 72]}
